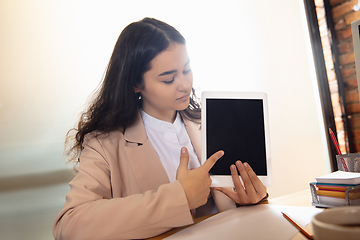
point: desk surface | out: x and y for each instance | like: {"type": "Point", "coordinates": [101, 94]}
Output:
{"type": "Point", "coordinates": [302, 198]}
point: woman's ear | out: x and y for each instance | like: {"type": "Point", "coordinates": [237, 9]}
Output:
{"type": "Point", "coordinates": [136, 89]}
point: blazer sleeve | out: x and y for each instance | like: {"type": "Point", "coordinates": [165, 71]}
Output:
{"type": "Point", "coordinates": [90, 212]}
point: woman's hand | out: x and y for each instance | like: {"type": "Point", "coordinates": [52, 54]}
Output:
{"type": "Point", "coordinates": [252, 192]}
{"type": "Point", "coordinates": [196, 182]}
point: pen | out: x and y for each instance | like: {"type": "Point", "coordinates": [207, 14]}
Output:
{"type": "Point", "coordinates": [338, 149]}
{"type": "Point", "coordinates": [335, 142]}
{"type": "Point", "coordinates": [298, 226]}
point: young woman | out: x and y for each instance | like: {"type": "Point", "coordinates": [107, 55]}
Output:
{"type": "Point", "coordinates": [138, 172]}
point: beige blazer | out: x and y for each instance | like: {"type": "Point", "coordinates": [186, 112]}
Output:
{"type": "Point", "coordinates": [121, 190]}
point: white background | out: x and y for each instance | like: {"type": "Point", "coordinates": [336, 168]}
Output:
{"type": "Point", "coordinates": [54, 54]}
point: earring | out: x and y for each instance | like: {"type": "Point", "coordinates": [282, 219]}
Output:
{"type": "Point", "coordinates": [137, 95]}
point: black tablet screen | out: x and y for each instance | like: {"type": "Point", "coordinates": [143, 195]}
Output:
{"type": "Point", "coordinates": [237, 127]}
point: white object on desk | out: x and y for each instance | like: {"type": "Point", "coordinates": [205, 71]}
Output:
{"type": "Point", "coordinates": [263, 221]}
{"type": "Point", "coordinates": [340, 177]}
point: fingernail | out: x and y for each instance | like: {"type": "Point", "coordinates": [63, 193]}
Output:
{"type": "Point", "coordinates": [238, 163]}
{"type": "Point", "coordinates": [222, 153]}
{"type": "Point", "coordinates": [232, 167]}
{"type": "Point", "coordinates": [246, 165]}
{"type": "Point", "coordinates": [183, 150]}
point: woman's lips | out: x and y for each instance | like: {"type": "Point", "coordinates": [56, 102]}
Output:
{"type": "Point", "coordinates": [185, 97]}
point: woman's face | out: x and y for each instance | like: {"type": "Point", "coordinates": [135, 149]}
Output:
{"type": "Point", "coordinates": [167, 85]}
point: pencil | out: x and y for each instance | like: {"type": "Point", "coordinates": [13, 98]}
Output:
{"type": "Point", "coordinates": [338, 149]}
{"type": "Point", "coordinates": [298, 226]}
{"type": "Point", "coordinates": [335, 141]}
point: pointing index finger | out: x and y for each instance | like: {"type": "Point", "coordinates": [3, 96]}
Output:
{"type": "Point", "coordinates": [210, 162]}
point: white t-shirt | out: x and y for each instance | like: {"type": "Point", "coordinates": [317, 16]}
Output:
{"type": "Point", "coordinates": [167, 140]}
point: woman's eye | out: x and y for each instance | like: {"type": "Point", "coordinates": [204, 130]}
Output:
{"type": "Point", "coordinates": [169, 82]}
{"type": "Point", "coordinates": [187, 71]}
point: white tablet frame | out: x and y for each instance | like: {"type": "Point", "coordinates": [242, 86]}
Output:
{"type": "Point", "coordinates": [226, 181]}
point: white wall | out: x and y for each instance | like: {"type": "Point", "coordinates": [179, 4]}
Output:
{"type": "Point", "coordinates": [54, 53]}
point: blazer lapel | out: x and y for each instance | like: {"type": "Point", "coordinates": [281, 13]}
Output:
{"type": "Point", "coordinates": [143, 158]}
{"type": "Point", "coordinates": [194, 132]}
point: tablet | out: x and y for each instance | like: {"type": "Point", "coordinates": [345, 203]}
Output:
{"type": "Point", "coordinates": [237, 123]}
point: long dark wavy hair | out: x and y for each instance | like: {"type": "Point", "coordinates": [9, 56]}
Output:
{"type": "Point", "coordinates": [115, 105]}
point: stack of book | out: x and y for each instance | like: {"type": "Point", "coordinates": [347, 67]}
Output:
{"type": "Point", "coordinates": [331, 188]}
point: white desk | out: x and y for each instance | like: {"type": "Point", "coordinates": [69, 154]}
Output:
{"type": "Point", "coordinates": [299, 199]}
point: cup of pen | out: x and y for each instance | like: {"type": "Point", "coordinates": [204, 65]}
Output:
{"type": "Point", "coordinates": [348, 162]}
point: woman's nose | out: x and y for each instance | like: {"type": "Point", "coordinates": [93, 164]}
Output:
{"type": "Point", "coordinates": [185, 83]}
